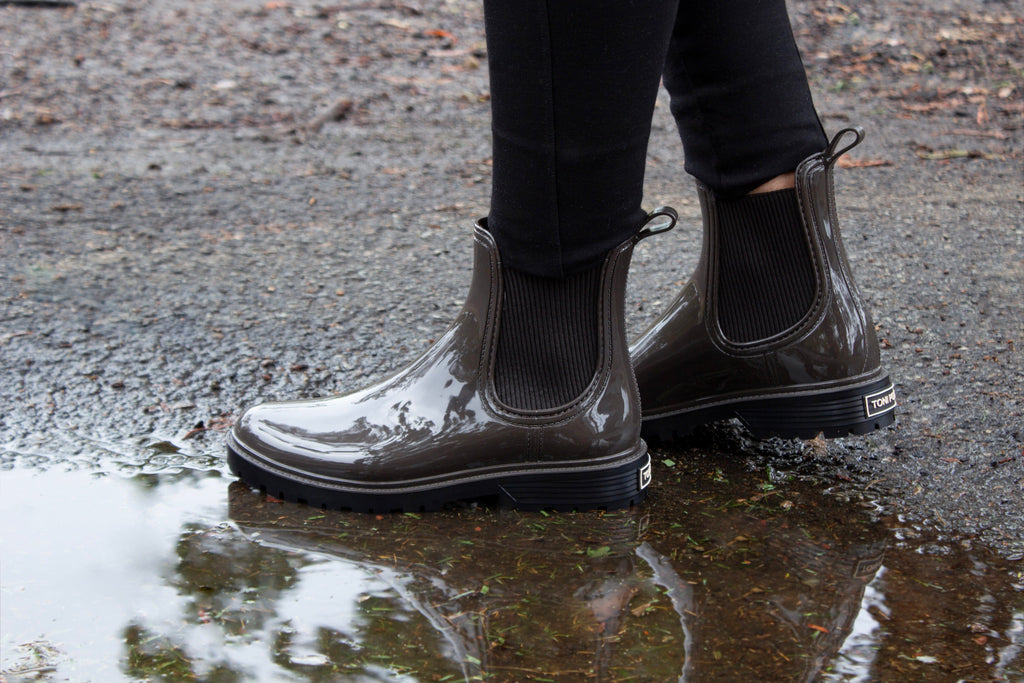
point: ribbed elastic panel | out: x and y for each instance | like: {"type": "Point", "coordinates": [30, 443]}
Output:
{"type": "Point", "coordinates": [548, 338]}
{"type": "Point", "coordinates": [766, 279]}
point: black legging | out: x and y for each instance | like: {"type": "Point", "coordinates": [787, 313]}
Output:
{"type": "Point", "coordinates": [573, 86]}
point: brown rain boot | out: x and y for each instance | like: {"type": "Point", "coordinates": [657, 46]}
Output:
{"type": "Point", "coordinates": [439, 431]}
{"type": "Point", "coordinates": [793, 354]}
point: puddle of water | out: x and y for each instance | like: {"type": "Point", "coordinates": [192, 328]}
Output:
{"type": "Point", "coordinates": [725, 574]}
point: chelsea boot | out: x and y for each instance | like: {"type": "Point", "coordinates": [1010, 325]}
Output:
{"type": "Point", "coordinates": [819, 375]}
{"type": "Point", "coordinates": [437, 432]}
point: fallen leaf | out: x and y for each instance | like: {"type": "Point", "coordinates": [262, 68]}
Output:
{"type": "Point", "coordinates": [46, 117]}
{"type": "Point", "coordinates": [196, 430]}
{"type": "Point", "coordinates": [996, 134]}
{"type": "Point", "coordinates": [395, 23]}
{"type": "Point", "coordinates": [982, 115]}
{"type": "Point", "coordinates": [441, 33]}
{"type": "Point", "coordinates": [4, 338]}
{"type": "Point", "coordinates": [846, 162]}
{"type": "Point", "coordinates": [336, 112]}
{"type": "Point", "coordinates": [221, 423]}
{"type": "Point", "coordinates": [942, 154]}
{"type": "Point", "coordinates": [925, 107]}
{"type": "Point", "coordinates": [961, 34]}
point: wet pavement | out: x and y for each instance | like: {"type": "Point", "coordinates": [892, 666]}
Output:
{"type": "Point", "coordinates": [275, 201]}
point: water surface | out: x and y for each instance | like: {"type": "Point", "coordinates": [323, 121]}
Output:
{"type": "Point", "coordinates": [726, 574]}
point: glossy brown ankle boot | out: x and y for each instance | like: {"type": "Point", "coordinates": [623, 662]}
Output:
{"type": "Point", "coordinates": [820, 375]}
{"type": "Point", "coordinates": [437, 432]}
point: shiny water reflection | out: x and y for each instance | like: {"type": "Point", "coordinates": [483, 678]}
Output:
{"type": "Point", "coordinates": [725, 575]}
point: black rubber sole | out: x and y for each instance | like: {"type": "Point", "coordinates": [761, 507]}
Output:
{"type": "Point", "coordinates": [581, 490]}
{"type": "Point", "coordinates": [831, 413]}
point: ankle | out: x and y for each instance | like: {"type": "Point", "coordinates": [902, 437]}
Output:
{"type": "Point", "coordinates": [783, 181]}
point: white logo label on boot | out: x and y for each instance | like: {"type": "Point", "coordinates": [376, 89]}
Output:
{"type": "Point", "coordinates": [880, 402]}
{"type": "Point", "coordinates": [645, 475]}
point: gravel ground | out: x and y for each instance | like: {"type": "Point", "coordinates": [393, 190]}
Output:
{"type": "Point", "coordinates": [204, 205]}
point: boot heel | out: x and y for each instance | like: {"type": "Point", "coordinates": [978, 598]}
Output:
{"type": "Point", "coordinates": [616, 488]}
{"type": "Point", "coordinates": [832, 413]}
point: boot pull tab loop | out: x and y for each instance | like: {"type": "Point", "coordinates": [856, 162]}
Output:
{"type": "Point", "coordinates": [832, 154]}
{"type": "Point", "coordinates": [659, 220]}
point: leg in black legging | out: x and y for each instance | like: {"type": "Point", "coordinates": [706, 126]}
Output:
{"type": "Point", "coordinates": [744, 111]}
{"type": "Point", "coordinates": [739, 93]}
{"type": "Point", "coordinates": [573, 85]}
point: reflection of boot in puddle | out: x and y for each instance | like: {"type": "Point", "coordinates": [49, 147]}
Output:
{"type": "Point", "coordinates": [822, 604]}
{"type": "Point", "coordinates": [512, 595]}
{"type": "Point", "coordinates": [780, 596]}
{"type": "Point", "coordinates": [568, 597]}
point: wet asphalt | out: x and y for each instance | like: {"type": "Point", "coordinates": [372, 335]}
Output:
{"type": "Point", "coordinates": [177, 242]}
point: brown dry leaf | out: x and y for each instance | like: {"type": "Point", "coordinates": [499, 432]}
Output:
{"type": "Point", "coordinates": [982, 116]}
{"type": "Point", "coordinates": [441, 33]}
{"type": "Point", "coordinates": [4, 338]}
{"type": "Point", "coordinates": [997, 134]}
{"type": "Point", "coordinates": [816, 447]}
{"type": "Point", "coordinates": [46, 117]}
{"type": "Point", "coordinates": [413, 81]}
{"type": "Point", "coordinates": [925, 107]}
{"type": "Point", "coordinates": [961, 34]}
{"type": "Point", "coordinates": [395, 23]}
{"type": "Point", "coordinates": [221, 423]}
{"type": "Point", "coordinates": [846, 162]}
